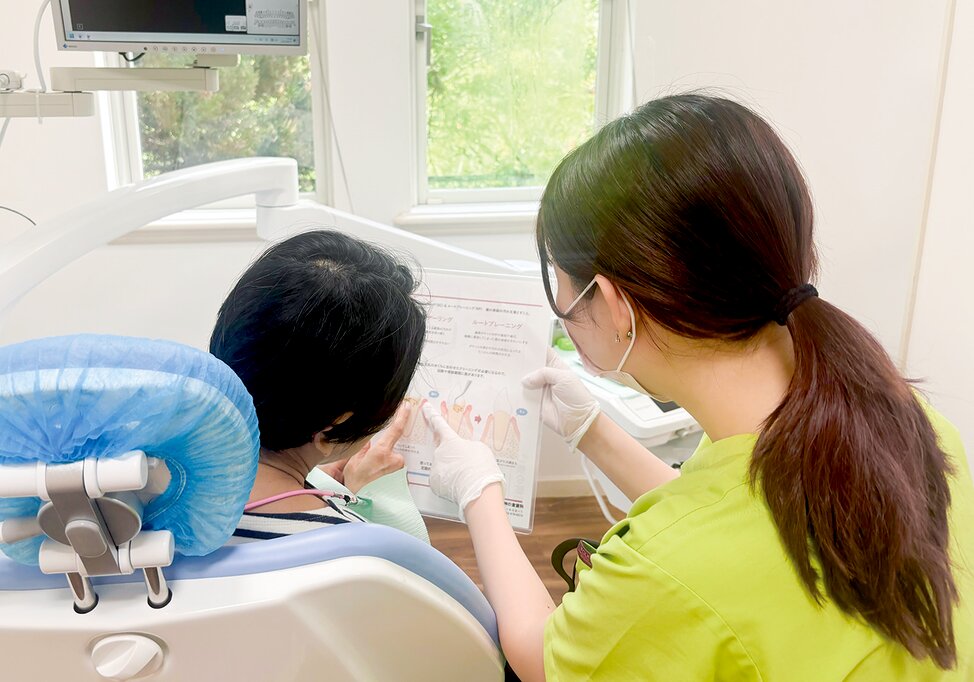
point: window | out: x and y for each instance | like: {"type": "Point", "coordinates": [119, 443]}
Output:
{"type": "Point", "coordinates": [510, 89]}
{"type": "Point", "coordinates": [263, 108]}
{"type": "Point", "coordinates": [461, 143]}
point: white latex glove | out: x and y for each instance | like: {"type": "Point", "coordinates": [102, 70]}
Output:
{"type": "Point", "coordinates": [461, 468]}
{"type": "Point", "coordinates": [567, 407]}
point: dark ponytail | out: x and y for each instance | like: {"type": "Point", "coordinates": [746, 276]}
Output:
{"type": "Point", "coordinates": [697, 210]}
{"type": "Point", "coordinates": [853, 474]}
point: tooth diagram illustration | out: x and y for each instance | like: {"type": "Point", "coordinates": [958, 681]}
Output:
{"type": "Point", "coordinates": [416, 430]}
{"type": "Point", "coordinates": [457, 416]}
{"type": "Point", "coordinates": [501, 433]}
{"type": "Point", "coordinates": [457, 411]}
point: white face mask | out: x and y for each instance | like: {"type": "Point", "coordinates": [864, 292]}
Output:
{"type": "Point", "coordinates": [624, 378]}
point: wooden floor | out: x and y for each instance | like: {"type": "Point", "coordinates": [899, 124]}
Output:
{"type": "Point", "coordinates": [555, 519]}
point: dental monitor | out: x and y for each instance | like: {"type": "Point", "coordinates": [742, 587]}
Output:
{"type": "Point", "coordinates": [182, 26]}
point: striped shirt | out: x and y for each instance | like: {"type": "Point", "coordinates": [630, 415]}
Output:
{"type": "Point", "coordinates": [257, 526]}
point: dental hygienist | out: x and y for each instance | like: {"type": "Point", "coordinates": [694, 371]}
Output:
{"type": "Point", "coordinates": [823, 530]}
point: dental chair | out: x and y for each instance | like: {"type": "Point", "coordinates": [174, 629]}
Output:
{"type": "Point", "coordinates": [124, 467]}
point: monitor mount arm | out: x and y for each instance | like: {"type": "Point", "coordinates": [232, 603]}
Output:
{"type": "Point", "coordinates": [201, 76]}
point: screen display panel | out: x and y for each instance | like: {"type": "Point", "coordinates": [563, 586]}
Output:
{"type": "Point", "coordinates": [214, 26]}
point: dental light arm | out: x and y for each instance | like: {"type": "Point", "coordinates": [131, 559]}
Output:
{"type": "Point", "coordinates": [35, 255]}
{"type": "Point", "coordinates": [276, 223]}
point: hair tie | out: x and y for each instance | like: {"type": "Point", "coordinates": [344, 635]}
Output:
{"type": "Point", "coordinates": [791, 300]}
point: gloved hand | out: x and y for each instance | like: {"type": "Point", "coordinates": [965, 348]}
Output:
{"type": "Point", "coordinates": [461, 468]}
{"type": "Point", "coordinates": [568, 408]}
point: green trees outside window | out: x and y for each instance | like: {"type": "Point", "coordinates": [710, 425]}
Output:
{"type": "Point", "coordinates": [263, 108]}
{"type": "Point", "coordinates": [510, 90]}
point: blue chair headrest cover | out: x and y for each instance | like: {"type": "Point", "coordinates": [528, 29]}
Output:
{"type": "Point", "coordinates": [66, 398]}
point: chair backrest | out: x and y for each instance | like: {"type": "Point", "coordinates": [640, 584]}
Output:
{"type": "Point", "coordinates": [356, 602]}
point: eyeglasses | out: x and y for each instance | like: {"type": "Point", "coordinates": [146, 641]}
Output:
{"type": "Point", "coordinates": [553, 287]}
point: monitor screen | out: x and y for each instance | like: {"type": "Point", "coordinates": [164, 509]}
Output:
{"type": "Point", "coordinates": [216, 26]}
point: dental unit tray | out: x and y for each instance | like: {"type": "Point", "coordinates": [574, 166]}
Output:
{"type": "Point", "coordinates": [649, 421]}
{"type": "Point", "coordinates": [654, 424]}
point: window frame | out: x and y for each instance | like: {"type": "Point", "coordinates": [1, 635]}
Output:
{"type": "Point", "coordinates": [375, 43]}
{"type": "Point", "coordinates": [123, 141]}
{"type": "Point", "coordinates": [123, 130]}
{"type": "Point", "coordinates": [613, 74]}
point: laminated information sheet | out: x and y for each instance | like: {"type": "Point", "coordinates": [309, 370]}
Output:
{"type": "Point", "coordinates": [483, 334]}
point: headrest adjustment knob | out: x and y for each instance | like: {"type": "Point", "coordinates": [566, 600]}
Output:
{"type": "Point", "coordinates": [86, 538]}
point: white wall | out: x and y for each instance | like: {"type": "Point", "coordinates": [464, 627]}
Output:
{"type": "Point", "coordinates": [941, 348]}
{"type": "Point", "coordinates": [853, 88]}
{"type": "Point", "coordinates": [36, 158]}
{"type": "Point", "coordinates": [162, 290]}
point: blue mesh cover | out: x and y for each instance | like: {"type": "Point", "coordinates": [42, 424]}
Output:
{"type": "Point", "coordinates": [66, 398]}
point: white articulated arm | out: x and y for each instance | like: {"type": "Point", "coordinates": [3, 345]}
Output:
{"type": "Point", "coordinates": [277, 223]}
{"type": "Point", "coordinates": [38, 253]}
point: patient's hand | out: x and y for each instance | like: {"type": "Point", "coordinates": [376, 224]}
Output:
{"type": "Point", "coordinates": [377, 458]}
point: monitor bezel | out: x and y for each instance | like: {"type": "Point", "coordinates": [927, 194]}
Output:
{"type": "Point", "coordinates": [184, 48]}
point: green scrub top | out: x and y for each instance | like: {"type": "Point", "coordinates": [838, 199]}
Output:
{"type": "Point", "coordinates": [695, 585]}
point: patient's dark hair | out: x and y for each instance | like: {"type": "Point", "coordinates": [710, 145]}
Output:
{"type": "Point", "coordinates": [320, 325]}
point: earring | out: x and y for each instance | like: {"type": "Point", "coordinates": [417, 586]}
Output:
{"type": "Point", "coordinates": [629, 334]}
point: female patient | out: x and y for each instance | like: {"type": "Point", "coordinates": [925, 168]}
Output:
{"type": "Point", "coordinates": [324, 333]}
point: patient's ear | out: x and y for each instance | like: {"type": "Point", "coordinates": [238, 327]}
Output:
{"type": "Point", "coordinates": [320, 439]}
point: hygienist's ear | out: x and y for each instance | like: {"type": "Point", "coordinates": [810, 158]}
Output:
{"type": "Point", "coordinates": [320, 439]}
{"type": "Point", "coordinates": [614, 301]}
